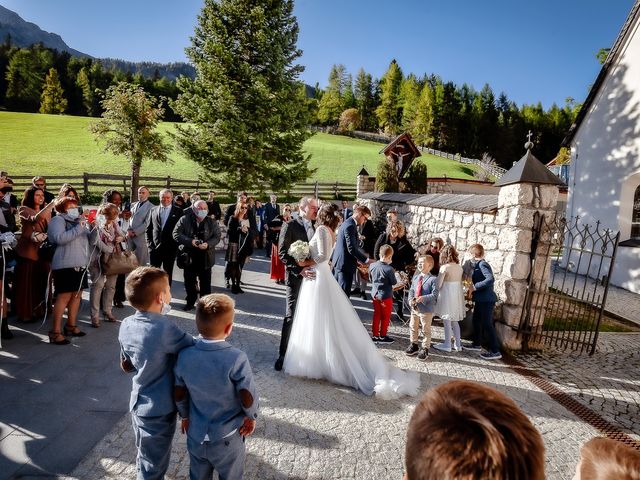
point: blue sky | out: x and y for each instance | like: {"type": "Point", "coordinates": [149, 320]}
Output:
{"type": "Point", "coordinates": [541, 50]}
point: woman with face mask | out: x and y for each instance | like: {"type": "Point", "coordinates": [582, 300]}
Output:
{"type": "Point", "coordinates": [106, 237]}
{"type": "Point", "coordinates": [70, 233]}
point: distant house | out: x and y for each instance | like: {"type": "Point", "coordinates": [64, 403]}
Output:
{"type": "Point", "coordinates": [604, 172]}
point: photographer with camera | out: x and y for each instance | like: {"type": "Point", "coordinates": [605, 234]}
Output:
{"type": "Point", "coordinates": [197, 234]}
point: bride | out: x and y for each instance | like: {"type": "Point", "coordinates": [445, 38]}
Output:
{"type": "Point", "coordinates": [328, 339]}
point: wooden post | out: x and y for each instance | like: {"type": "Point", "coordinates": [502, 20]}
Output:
{"type": "Point", "coordinates": [335, 190]}
{"type": "Point", "coordinates": [85, 183]}
{"type": "Point", "coordinates": [168, 181]}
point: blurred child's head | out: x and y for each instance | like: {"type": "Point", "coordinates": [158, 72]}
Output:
{"type": "Point", "coordinates": [476, 250]}
{"type": "Point", "coordinates": [425, 263]}
{"type": "Point", "coordinates": [466, 430]}
{"type": "Point", "coordinates": [448, 254]}
{"type": "Point", "coordinates": [214, 315]}
{"type": "Point", "coordinates": [386, 253]}
{"type": "Point", "coordinates": [147, 289]}
{"type": "Point", "coordinates": [604, 458]}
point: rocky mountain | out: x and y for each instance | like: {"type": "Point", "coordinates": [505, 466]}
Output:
{"type": "Point", "coordinates": [24, 34]}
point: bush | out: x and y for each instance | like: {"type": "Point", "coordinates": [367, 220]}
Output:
{"type": "Point", "coordinates": [415, 180]}
{"type": "Point", "coordinates": [386, 177]}
{"type": "Point", "coordinates": [349, 120]}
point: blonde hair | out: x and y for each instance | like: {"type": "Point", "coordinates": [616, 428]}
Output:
{"type": "Point", "coordinates": [143, 284]}
{"type": "Point", "coordinates": [449, 254]}
{"type": "Point", "coordinates": [385, 250]}
{"type": "Point", "coordinates": [477, 248]}
{"type": "Point", "coordinates": [211, 308]}
{"type": "Point", "coordinates": [604, 458]}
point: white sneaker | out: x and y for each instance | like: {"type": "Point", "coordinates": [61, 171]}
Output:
{"type": "Point", "coordinates": [457, 348]}
{"type": "Point", "coordinates": [442, 347]}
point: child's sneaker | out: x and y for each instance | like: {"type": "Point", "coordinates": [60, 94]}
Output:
{"type": "Point", "coordinates": [375, 339]}
{"type": "Point", "coordinates": [491, 355]}
{"type": "Point", "coordinates": [473, 348]}
{"type": "Point", "coordinates": [385, 339]}
{"type": "Point", "coordinates": [457, 348]}
{"type": "Point", "coordinates": [442, 347]}
{"type": "Point", "coordinates": [412, 350]}
{"type": "Point", "coordinates": [423, 354]}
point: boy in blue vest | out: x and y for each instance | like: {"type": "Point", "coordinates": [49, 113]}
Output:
{"type": "Point", "coordinates": [423, 295]}
{"type": "Point", "coordinates": [382, 277]}
{"type": "Point", "coordinates": [149, 343]}
{"type": "Point", "coordinates": [215, 394]}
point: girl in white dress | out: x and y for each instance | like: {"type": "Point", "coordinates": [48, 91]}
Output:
{"type": "Point", "coordinates": [450, 306]}
{"type": "Point", "coordinates": [328, 340]}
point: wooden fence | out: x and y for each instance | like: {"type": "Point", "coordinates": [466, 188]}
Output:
{"type": "Point", "coordinates": [96, 183]}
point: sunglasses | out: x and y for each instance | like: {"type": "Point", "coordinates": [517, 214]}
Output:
{"type": "Point", "coordinates": [243, 208]}
{"type": "Point", "coordinates": [39, 185]}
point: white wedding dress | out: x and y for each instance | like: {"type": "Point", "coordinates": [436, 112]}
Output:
{"type": "Point", "coordinates": [329, 341]}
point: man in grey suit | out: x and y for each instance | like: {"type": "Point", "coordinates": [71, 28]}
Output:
{"type": "Point", "coordinates": [140, 215]}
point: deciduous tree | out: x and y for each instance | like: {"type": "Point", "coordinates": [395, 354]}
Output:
{"type": "Point", "coordinates": [129, 126]}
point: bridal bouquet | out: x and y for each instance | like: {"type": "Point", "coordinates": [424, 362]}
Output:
{"type": "Point", "coordinates": [299, 250]}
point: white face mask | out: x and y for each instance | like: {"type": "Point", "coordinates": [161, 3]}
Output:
{"type": "Point", "coordinates": [101, 220]}
{"type": "Point", "coordinates": [166, 308]}
{"type": "Point", "coordinates": [202, 213]}
{"type": "Point", "coordinates": [73, 213]}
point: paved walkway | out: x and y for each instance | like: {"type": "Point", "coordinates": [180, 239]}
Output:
{"type": "Point", "coordinates": [316, 430]}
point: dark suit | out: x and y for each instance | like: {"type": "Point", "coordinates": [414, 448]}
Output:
{"type": "Point", "coordinates": [347, 254]}
{"type": "Point", "coordinates": [346, 213]}
{"type": "Point", "coordinates": [292, 231]}
{"type": "Point", "coordinates": [214, 209]}
{"type": "Point", "coordinates": [270, 212]}
{"type": "Point", "coordinates": [207, 230]}
{"type": "Point", "coordinates": [162, 246]}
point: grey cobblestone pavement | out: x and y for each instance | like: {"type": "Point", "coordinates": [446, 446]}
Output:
{"type": "Point", "coordinates": [315, 430]}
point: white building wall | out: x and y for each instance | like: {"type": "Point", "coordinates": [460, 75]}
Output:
{"type": "Point", "coordinates": [605, 158]}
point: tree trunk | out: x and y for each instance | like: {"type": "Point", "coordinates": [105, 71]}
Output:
{"type": "Point", "coordinates": [135, 181]}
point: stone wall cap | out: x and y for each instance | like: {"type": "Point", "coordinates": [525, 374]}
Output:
{"type": "Point", "coordinates": [471, 202]}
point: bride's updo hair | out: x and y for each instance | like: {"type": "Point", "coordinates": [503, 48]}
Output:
{"type": "Point", "coordinates": [329, 215]}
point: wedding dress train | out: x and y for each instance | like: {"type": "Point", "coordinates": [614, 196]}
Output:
{"type": "Point", "coordinates": [329, 341]}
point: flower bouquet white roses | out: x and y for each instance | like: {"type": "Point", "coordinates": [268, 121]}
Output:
{"type": "Point", "coordinates": [299, 250]}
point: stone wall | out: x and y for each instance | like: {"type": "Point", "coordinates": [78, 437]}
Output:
{"type": "Point", "coordinates": [505, 231]}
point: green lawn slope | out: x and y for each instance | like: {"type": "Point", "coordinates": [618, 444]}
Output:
{"type": "Point", "coordinates": [57, 145]}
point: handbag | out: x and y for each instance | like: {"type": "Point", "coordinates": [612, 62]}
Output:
{"type": "Point", "coordinates": [46, 250]}
{"type": "Point", "coordinates": [118, 262]}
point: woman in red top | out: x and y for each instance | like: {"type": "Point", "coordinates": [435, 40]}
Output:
{"type": "Point", "coordinates": [277, 267]}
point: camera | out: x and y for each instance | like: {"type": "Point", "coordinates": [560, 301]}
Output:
{"type": "Point", "coordinates": [199, 242]}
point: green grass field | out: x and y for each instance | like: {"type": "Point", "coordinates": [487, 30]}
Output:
{"type": "Point", "coordinates": [57, 145]}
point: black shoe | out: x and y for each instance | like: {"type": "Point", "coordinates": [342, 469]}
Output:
{"type": "Point", "coordinates": [423, 354]}
{"type": "Point", "coordinates": [355, 291]}
{"type": "Point", "coordinates": [118, 304]}
{"type": "Point", "coordinates": [228, 283]}
{"type": "Point", "coordinates": [412, 350]}
{"type": "Point", "coordinates": [472, 347]}
{"type": "Point", "coordinates": [279, 363]}
{"type": "Point", "coordinates": [363, 295]}
{"type": "Point", "coordinates": [188, 307]}
{"type": "Point", "coordinates": [375, 339]}
{"type": "Point", "coordinates": [386, 339]}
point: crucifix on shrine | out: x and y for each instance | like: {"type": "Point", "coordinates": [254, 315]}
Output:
{"type": "Point", "coordinates": [401, 151]}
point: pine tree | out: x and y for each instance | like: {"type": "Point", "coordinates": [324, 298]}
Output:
{"type": "Point", "coordinates": [422, 130]}
{"type": "Point", "coordinates": [387, 177]}
{"type": "Point", "coordinates": [245, 111]}
{"type": "Point", "coordinates": [409, 96]}
{"type": "Point", "coordinates": [363, 93]}
{"type": "Point", "coordinates": [389, 111]}
{"type": "Point", "coordinates": [52, 99]}
{"type": "Point", "coordinates": [84, 83]}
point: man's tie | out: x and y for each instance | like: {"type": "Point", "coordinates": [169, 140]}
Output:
{"type": "Point", "coordinates": [164, 216]}
{"type": "Point", "coordinates": [419, 289]}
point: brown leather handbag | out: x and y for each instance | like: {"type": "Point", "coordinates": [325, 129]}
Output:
{"type": "Point", "coordinates": [118, 262]}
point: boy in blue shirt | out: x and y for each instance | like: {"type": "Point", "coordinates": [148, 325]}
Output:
{"type": "Point", "coordinates": [215, 394]}
{"type": "Point", "coordinates": [149, 343]}
{"type": "Point", "coordinates": [423, 295]}
{"type": "Point", "coordinates": [382, 277]}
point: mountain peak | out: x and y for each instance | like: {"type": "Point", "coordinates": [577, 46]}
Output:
{"type": "Point", "coordinates": [25, 34]}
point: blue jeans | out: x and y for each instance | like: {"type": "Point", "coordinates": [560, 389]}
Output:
{"type": "Point", "coordinates": [483, 326]}
{"type": "Point", "coordinates": [153, 440]}
{"type": "Point", "coordinates": [226, 456]}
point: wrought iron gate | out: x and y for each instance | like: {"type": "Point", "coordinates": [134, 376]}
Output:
{"type": "Point", "coordinates": [571, 265]}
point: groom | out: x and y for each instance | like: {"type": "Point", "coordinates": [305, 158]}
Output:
{"type": "Point", "coordinates": [347, 254]}
{"type": "Point", "coordinates": [300, 228]}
